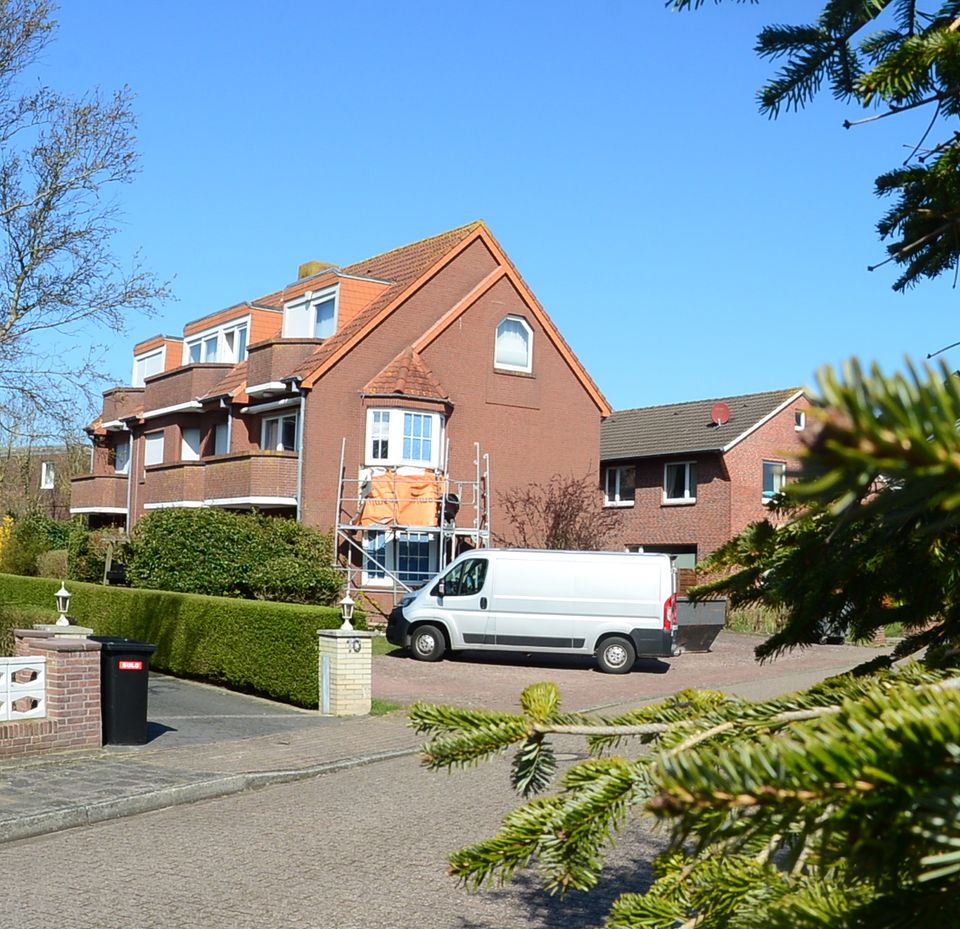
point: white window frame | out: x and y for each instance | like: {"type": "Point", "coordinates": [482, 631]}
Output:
{"type": "Point", "coordinates": [508, 366]}
{"type": "Point", "coordinates": [152, 448]}
{"type": "Point", "coordinates": [190, 450]}
{"type": "Point", "coordinates": [48, 475]}
{"type": "Point", "coordinates": [799, 420]}
{"type": "Point", "coordinates": [612, 483]}
{"type": "Point", "coordinates": [277, 445]}
{"type": "Point", "coordinates": [393, 541]}
{"type": "Point", "coordinates": [140, 363]}
{"type": "Point", "coordinates": [775, 467]}
{"type": "Point", "coordinates": [200, 343]}
{"type": "Point", "coordinates": [689, 469]}
{"type": "Point", "coordinates": [388, 424]}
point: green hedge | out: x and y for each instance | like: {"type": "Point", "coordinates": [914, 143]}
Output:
{"type": "Point", "coordinates": [270, 649]}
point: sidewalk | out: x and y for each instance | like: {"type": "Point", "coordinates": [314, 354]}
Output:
{"type": "Point", "coordinates": [189, 759]}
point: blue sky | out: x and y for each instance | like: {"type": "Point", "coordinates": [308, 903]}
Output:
{"type": "Point", "coordinates": [685, 245]}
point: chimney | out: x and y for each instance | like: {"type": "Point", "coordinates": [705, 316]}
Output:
{"type": "Point", "coordinates": [309, 268]}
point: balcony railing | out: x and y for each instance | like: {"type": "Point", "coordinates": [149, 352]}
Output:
{"type": "Point", "coordinates": [98, 493]}
{"type": "Point", "coordinates": [243, 479]}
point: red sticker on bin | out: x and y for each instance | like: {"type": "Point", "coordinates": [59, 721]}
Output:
{"type": "Point", "coordinates": [127, 665]}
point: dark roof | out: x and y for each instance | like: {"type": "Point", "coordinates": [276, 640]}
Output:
{"type": "Point", "coordinates": [686, 427]}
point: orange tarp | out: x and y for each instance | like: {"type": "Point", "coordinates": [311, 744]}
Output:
{"type": "Point", "coordinates": [402, 500]}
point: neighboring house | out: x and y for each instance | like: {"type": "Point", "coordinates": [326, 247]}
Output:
{"type": "Point", "coordinates": [36, 478]}
{"type": "Point", "coordinates": [390, 399]}
{"type": "Point", "coordinates": [687, 477]}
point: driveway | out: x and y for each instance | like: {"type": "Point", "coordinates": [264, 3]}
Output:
{"type": "Point", "coordinates": [481, 679]}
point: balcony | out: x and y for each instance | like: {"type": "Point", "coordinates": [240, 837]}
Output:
{"type": "Point", "coordinates": [98, 493]}
{"type": "Point", "coordinates": [270, 361]}
{"type": "Point", "coordinates": [247, 479]}
{"type": "Point", "coordinates": [260, 478]}
{"type": "Point", "coordinates": [182, 385]}
{"type": "Point", "coordinates": [119, 402]}
{"type": "Point", "coordinates": [172, 484]}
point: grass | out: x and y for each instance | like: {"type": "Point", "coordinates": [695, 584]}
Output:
{"type": "Point", "coordinates": [381, 646]}
{"type": "Point", "coordinates": [380, 707]}
{"type": "Point", "coordinates": [765, 621]}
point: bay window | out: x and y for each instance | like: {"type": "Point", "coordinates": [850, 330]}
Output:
{"type": "Point", "coordinates": [403, 437]}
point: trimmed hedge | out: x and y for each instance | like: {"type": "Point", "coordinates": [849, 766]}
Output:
{"type": "Point", "coordinates": [270, 649]}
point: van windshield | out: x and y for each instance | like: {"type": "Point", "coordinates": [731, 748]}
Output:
{"type": "Point", "coordinates": [463, 580]}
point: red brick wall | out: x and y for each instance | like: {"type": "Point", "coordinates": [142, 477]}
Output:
{"type": "Point", "coordinates": [270, 361]}
{"type": "Point", "coordinates": [181, 385]}
{"type": "Point", "coordinates": [776, 440]}
{"type": "Point", "coordinates": [334, 408]}
{"type": "Point", "coordinates": [73, 718]}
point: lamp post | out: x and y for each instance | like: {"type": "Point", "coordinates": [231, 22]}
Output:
{"type": "Point", "coordinates": [63, 604]}
{"type": "Point", "coordinates": [346, 611]}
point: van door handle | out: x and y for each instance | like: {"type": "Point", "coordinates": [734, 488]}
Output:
{"type": "Point", "coordinates": [483, 603]}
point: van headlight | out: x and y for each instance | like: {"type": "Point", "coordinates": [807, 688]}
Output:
{"type": "Point", "coordinates": [407, 599]}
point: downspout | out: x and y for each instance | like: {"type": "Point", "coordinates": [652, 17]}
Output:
{"type": "Point", "coordinates": [129, 481]}
{"type": "Point", "coordinates": [301, 418]}
{"type": "Point", "coordinates": [224, 405]}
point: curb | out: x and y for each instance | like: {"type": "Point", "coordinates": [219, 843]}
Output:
{"type": "Point", "coordinates": [85, 815]}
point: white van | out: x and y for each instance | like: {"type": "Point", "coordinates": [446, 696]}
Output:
{"type": "Point", "coordinates": [613, 605]}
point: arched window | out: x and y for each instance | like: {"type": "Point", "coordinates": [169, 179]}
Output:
{"type": "Point", "coordinates": [514, 349]}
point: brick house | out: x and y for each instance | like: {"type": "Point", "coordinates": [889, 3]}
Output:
{"type": "Point", "coordinates": [36, 478]}
{"type": "Point", "coordinates": [391, 399]}
{"type": "Point", "coordinates": [686, 477]}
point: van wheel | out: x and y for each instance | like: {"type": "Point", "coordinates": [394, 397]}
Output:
{"type": "Point", "coordinates": [616, 655]}
{"type": "Point", "coordinates": [426, 643]}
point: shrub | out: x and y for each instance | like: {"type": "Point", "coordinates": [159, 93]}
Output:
{"type": "Point", "coordinates": [216, 552]}
{"type": "Point", "coordinates": [32, 535]}
{"type": "Point", "coordinates": [87, 552]}
{"type": "Point", "coordinates": [293, 579]}
{"type": "Point", "coordinates": [52, 564]}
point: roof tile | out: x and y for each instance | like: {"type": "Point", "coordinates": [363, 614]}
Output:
{"type": "Point", "coordinates": [681, 428]}
{"type": "Point", "coordinates": [407, 375]}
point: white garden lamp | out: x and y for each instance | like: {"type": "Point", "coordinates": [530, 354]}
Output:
{"type": "Point", "coordinates": [63, 604]}
{"type": "Point", "coordinates": [346, 611]}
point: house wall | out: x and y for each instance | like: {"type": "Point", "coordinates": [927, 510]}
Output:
{"type": "Point", "coordinates": [334, 408]}
{"type": "Point", "coordinates": [775, 440]}
{"type": "Point", "coordinates": [650, 521]}
{"type": "Point", "coordinates": [526, 422]}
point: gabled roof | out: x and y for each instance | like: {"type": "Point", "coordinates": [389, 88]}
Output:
{"type": "Point", "coordinates": [407, 376]}
{"type": "Point", "coordinates": [409, 268]}
{"type": "Point", "coordinates": [684, 428]}
{"type": "Point", "coordinates": [403, 266]}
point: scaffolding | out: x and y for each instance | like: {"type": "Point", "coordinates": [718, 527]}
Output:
{"type": "Point", "coordinates": [403, 509]}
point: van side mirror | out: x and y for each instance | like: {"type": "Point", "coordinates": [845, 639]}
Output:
{"type": "Point", "coordinates": [441, 589]}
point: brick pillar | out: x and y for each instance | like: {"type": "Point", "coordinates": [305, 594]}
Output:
{"type": "Point", "coordinates": [73, 687]}
{"type": "Point", "coordinates": [346, 665]}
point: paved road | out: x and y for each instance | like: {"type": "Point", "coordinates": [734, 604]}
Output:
{"type": "Point", "coordinates": [363, 849]}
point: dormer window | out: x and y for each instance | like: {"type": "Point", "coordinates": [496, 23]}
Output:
{"type": "Point", "coordinates": [145, 365]}
{"type": "Point", "coordinates": [514, 345]}
{"type": "Point", "coordinates": [312, 316]}
{"type": "Point", "coordinates": [227, 343]}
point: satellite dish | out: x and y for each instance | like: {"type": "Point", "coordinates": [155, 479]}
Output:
{"type": "Point", "coordinates": [720, 414]}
